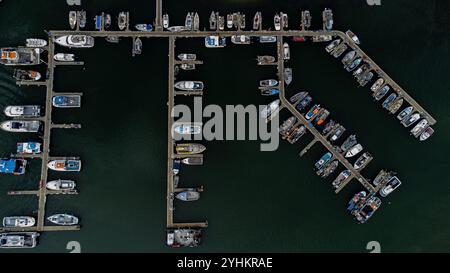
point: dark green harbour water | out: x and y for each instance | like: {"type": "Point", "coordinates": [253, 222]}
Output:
{"type": "Point", "coordinates": [254, 201]}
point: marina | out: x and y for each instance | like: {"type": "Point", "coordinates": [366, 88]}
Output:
{"type": "Point", "coordinates": [194, 228]}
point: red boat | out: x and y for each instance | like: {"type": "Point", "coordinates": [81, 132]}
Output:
{"type": "Point", "coordinates": [298, 39]}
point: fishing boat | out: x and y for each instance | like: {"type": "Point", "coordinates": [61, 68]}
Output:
{"type": "Point", "coordinates": [303, 103]}
{"type": "Point", "coordinates": [188, 22]}
{"type": "Point", "coordinates": [337, 133]}
{"type": "Point", "coordinates": [189, 148]}
{"type": "Point", "coordinates": [354, 150]}
{"type": "Point", "coordinates": [395, 106]}
{"type": "Point", "coordinates": [76, 41]}
{"type": "Point", "coordinates": [277, 21]}
{"type": "Point", "coordinates": [27, 111]}
{"type": "Point", "coordinates": [26, 75]}
{"type": "Point", "coordinates": [30, 148]}
{"type": "Point", "coordinates": [427, 133]}
{"type": "Point", "coordinates": [230, 20]}
{"type": "Point", "coordinates": [269, 91]}
{"type": "Point", "coordinates": [192, 161]}
{"type": "Point", "coordinates": [221, 22]}
{"type": "Point", "coordinates": [287, 75]}
{"type": "Point", "coordinates": [329, 169]}
{"type": "Point", "coordinates": [64, 57]}
{"type": "Point", "coordinates": [122, 20]}
{"type": "Point", "coordinates": [381, 93]}
{"type": "Point", "coordinates": [18, 221]}
{"type": "Point", "coordinates": [215, 41]}
{"type": "Point", "coordinates": [63, 219]}
{"type": "Point", "coordinates": [20, 56]}
{"type": "Point", "coordinates": [340, 50]}
{"type": "Point", "coordinates": [66, 101]}
{"type": "Point", "coordinates": [271, 109]}
{"type": "Point", "coordinates": [323, 161]}
{"type": "Point", "coordinates": [213, 21]}
{"type": "Point", "coordinates": [389, 100]}
{"type": "Point", "coordinates": [33, 42]}
{"type": "Point", "coordinates": [21, 126]}
{"type": "Point", "coordinates": [137, 47]}
{"type": "Point", "coordinates": [390, 186]}
{"type": "Point", "coordinates": [189, 85]}
{"type": "Point", "coordinates": [240, 39]}
{"type": "Point", "coordinates": [15, 166]}
{"type": "Point", "coordinates": [144, 27]}
{"type": "Point", "coordinates": [352, 36]}
{"type": "Point", "coordinates": [353, 64]}
{"type": "Point", "coordinates": [405, 112]}
{"type": "Point", "coordinates": [328, 127]}
{"type": "Point", "coordinates": [362, 160]}
{"type": "Point", "coordinates": [296, 134]}
{"type": "Point", "coordinates": [419, 128]}
{"type": "Point", "coordinates": [257, 21]}
{"type": "Point", "coordinates": [72, 19]}
{"type": "Point", "coordinates": [356, 200]}
{"type": "Point", "coordinates": [268, 83]}
{"type": "Point", "coordinates": [112, 39]}
{"type": "Point", "coordinates": [320, 119]}
{"type": "Point", "coordinates": [196, 23]}
{"type": "Point", "coordinates": [166, 20]}
{"type": "Point", "coordinates": [286, 52]}
{"type": "Point", "coordinates": [409, 120]}
{"type": "Point", "coordinates": [188, 195]}
{"type": "Point", "coordinates": [341, 178]}
{"type": "Point", "coordinates": [377, 85]}
{"type": "Point", "coordinates": [267, 39]}
{"type": "Point", "coordinates": [187, 128]}
{"type": "Point", "coordinates": [348, 143]}
{"type": "Point", "coordinates": [331, 46]}
{"type": "Point", "coordinates": [367, 209]}
{"type": "Point", "coordinates": [361, 70]}
{"type": "Point", "coordinates": [69, 165]}
{"type": "Point", "coordinates": [82, 18]}
{"type": "Point", "coordinates": [60, 185]}
{"type": "Point", "coordinates": [313, 111]}
{"type": "Point", "coordinates": [348, 58]}
{"type": "Point", "coordinates": [18, 239]}
{"type": "Point", "coordinates": [107, 20]}
{"type": "Point", "coordinates": [298, 97]}
{"type": "Point", "coordinates": [184, 237]}
{"type": "Point", "coordinates": [328, 19]}
{"type": "Point", "coordinates": [265, 59]}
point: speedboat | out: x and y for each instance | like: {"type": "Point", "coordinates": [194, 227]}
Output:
{"type": "Point", "coordinates": [25, 111]}
{"type": "Point", "coordinates": [348, 143]}
{"type": "Point", "coordinates": [362, 160]}
{"type": "Point", "coordinates": [240, 39]}
{"type": "Point", "coordinates": [270, 82]}
{"type": "Point", "coordinates": [377, 85]}
{"type": "Point", "coordinates": [389, 100]}
{"type": "Point", "coordinates": [354, 64]}
{"type": "Point", "coordinates": [187, 57]}
{"type": "Point", "coordinates": [60, 185]}
{"type": "Point", "coordinates": [257, 20]}
{"type": "Point", "coordinates": [189, 148]}
{"type": "Point", "coordinates": [348, 57]}
{"type": "Point", "coordinates": [267, 39]}
{"type": "Point", "coordinates": [33, 42]}
{"type": "Point", "coordinates": [14, 166]}
{"type": "Point", "coordinates": [176, 28]}
{"type": "Point", "coordinates": [269, 91]}
{"type": "Point", "coordinates": [419, 128]}
{"type": "Point", "coordinates": [313, 111]}
{"type": "Point", "coordinates": [352, 36]}
{"type": "Point", "coordinates": [409, 120]}
{"type": "Point", "coordinates": [28, 148]}
{"type": "Point", "coordinates": [229, 20]}
{"type": "Point", "coordinates": [122, 20]}
{"type": "Point", "coordinates": [270, 109]}
{"type": "Point", "coordinates": [188, 22]}
{"type": "Point", "coordinates": [63, 219]}
{"type": "Point", "coordinates": [381, 92]}
{"type": "Point", "coordinates": [215, 41]}
{"type": "Point", "coordinates": [69, 165]}
{"type": "Point", "coordinates": [26, 75]}
{"type": "Point", "coordinates": [327, 16]}
{"type": "Point", "coordinates": [76, 41]}
{"type": "Point", "coordinates": [288, 75]}
{"type": "Point", "coordinates": [67, 101]}
{"type": "Point", "coordinates": [354, 150]}
{"type": "Point", "coordinates": [427, 133]}
{"type": "Point", "coordinates": [21, 126]}
{"type": "Point", "coordinates": [107, 21]}
{"type": "Point", "coordinates": [298, 39]}
{"type": "Point", "coordinates": [286, 52]}
{"type": "Point", "coordinates": [18, 239]}
{"type": "Point", "coordinates": [284, 20]}
{"type": "Point", "coordinates": [187, 129]}
{"type": "Point", "coordinates": [405, 112]}
{"type": "Point", "coordinates": [144, 27]}
{"type": "Point", "coordinates": [390, 186]}
{"type": "Point", "coordinates": [188, 195]}
{"type": "Point", "coordinates": [221, 22]}
{"type": "Point", "coordinates": [212, 21]}
{"type": "Point", "coordinates": [192, 161]}
{"type": "Point", "coordinates": [83, 18]}
{"type": "Point", "coordinates": [395, 106]}
{"type": "Point", "coordinates": [64, 57]}
{"type": "Point", "coordinates": [166, 20]}
{"type": "Point", "coordinates": [189, 85]}
{"type": "Point", "coordinates": [72, 19]}
{"type": "Point", "coordinates": [277, 21]}
{"type": "Point", "coordinates": [18, 221]}
{"type": "Point", "coordinates": [137, 46]}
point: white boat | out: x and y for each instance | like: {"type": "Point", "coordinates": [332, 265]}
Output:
{"type": "Point", "coordinates": [73, 19]}
{"type": "Point", "coordinates": [18, 239]}
{"type": "Point", "coordinates": [32, 42]}
{"type": "Point", "coordinates": [64, 57]}
{"type": "Point", "coordinates": [427, 133]}
{"type": "Point", "coordinates": [331, 46]}
{"type": "Point", "coordinates": [352, 36]}
{"type": "Point", "coordinates": [70, 165]}
{"type": "Point", "coordinates": [354, 150]}
{"type": "Point", "coordinates": [176, 28]}
{"type": "Point", "coordinates": [377, 85]}
{"type": "Point", "coordinates": [288, 75]}
{"type": "Point", "coordinates": [390, 186]}
{"type": "Point", "coordinates": [187, 128]}
{"type": "Point", "coordinates": [419, 128]}
{"type": "Point", "coordinates": [122, 21]}
{"type": "Point", "coordinates": [18, 221]}
{"type": "Point", "coordinates": [58, 185]}
{"type": "Point", "coordinates": [270, 109]}
{"type": "Point", "coordinates": [230, 20]}
{"type": "Point", "coordinates": [267, 39]}
{"type": "Point", "coordinates": [189, 85]}
{"type": "Point", "coordinates": [63, 219]}
{"type": "Point", "coordinates": [166, 20]}
{"type": "Point", "coordinates": [187, 57]}
{"type": "Point", "coordinates": [188, 195]}
{"type": "Point", "coordinates": [240, 39]}
{"type": "Point", "coordinates": [76, 41]}
{"type": "Point", "coordinates": [21, 126]}
{"type": "Point", "coordinates": [409, 120]}
{"type": "Point", "coordinates": [286, 52]}
{"type": "Point", "coordinates": [144, 27]}
{"type": "Point", "coordinates": [29, 111]}
{"type": "Point", "coordinates": [277, 21]}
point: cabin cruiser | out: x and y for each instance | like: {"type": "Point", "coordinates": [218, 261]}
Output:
{"type": "Point", "coordinates": [18, 239]}
{"type": "Point", "coordinates": [390, 186]}
{"type": "Point", "coordinates": [18, 221]}
{"type": "Point", "coordinates": [354, 150]}
{"type": "Point", "coordinates": [64, 57]}
{"type": "Point", "coordinates": [419, 128]}
{"type": "Point", "coordinates": [21, 126]}
{"type": "Point", "coordinates": [352, 36]}
{"type": "Point", "coordinates": [122, 21]}
{"type": "Point", "coordinates": [25, 111]}
{"type": "Point", "coordinates": [66, 101]}
{"type": "Point", "coordinates": [187, 129]}
{"type": "Point", "coordinates": [240, 39]}
{"type": "Point", "coordinates": [69, 165]}
{"type": "Point", "coordinates": [188, 195]}
{"type": "Point", "coordinates": [60, 185]}
{"type": "Point", "coordinates": [75, 41]}
{"type": "Point", "coordinates": [73, 19]}
{"type": "Point", "coordinates": [63, 219]}
{"type": "Point", "coordinates": [277, 21]}
{"type": "Point", "coordinates": [189, 85]}
{"type": "Point", "coordinates": [144, 27]}
{"type": "Point", "coordinates": [189, 148]}
{"type": "Point", "coordinates": [26, 75]}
